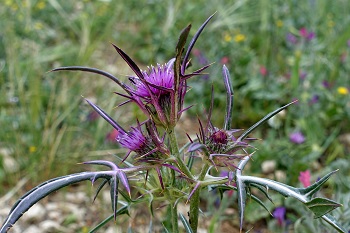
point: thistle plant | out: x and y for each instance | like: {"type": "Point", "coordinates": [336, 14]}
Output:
{"type": "Point", "coordinates": [159, 162]}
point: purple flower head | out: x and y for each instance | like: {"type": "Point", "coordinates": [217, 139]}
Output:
{"type": "Point", "coordinates": [297, 137]}
{"type": "Point", "coordinates": [220, 146]}
{"type": "Point", "coordinates": [133, 140]}
{"type": "Point", "coordinates": [147, 147]}
{"type": "Point", "coordinates": [348, 43]}
{"type": "Point", "coordinates": [160, 91]}
{"type": "Point", "coordinates": [291, 38]}
{"type": "Point", "coordinates": [159, 79]}
{"type": "Point", "coordinates": [280, 215]}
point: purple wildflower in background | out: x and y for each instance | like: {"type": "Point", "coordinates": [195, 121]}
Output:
{"type": "Point", "coordinates": [280, 215]}
{"type": "Point", "coordinates": [112, 135]}
{"type": "Point", "coordinates": [348, 43]}
{"type": "Point", "coordinates": [326, 84]}
{"type": "Point", "coordinates": [291, 38]}
{"type": "Point", "coordinates": [306, 34]}
{"type": "Point", "coordinates": [305, 178]}
{"type": "Point", "coordinates": [302, 75]}
{"type": "Point", "coordinates": [202, 60]}
{"type": "Point", "coordinates": [314, 99]}
{"type": "Point", "coordinates": [297, 137]}
{"type": "Point", "coordinates": [92, 116]}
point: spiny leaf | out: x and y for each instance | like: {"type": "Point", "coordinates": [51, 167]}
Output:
{"type": "Point", "coordinates": [311, 190]}
{"type": "Point", "coordinates": [43, 190]}
{"type": "Point", "coordinates": [185, 223]}
{"type": "Point", "coordinates": [129, 61]}
{"type": "Point", "coordinates": [114, 195]}
{"type": "Point", "coordinates": [93, 70]}
{"type": "Point", "coordinates": [267, 117]}
{"type": "Point", "coordinates": [191, 44]}
{"type": "Point", "coordinates": [241, 196]}
{"type": "Point", "coordinates": [106, 117]}
{"type": "Point", "coordinates": [197, 146]}
{"type": "Point", "coordinates": [333, 222]}
{"type": "Point", "coordinates": [229, 97]}
{"type": "Point", "coordinates": [223, 188]}
{"type": "Point", "coordinates": [262, 189]}
{"type": "Point", "coordinates": [321, 206]}
{"type": "Point", "coordinates": [105, 181]}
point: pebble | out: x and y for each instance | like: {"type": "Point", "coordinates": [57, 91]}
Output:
{"type": "Point", "coordinates": [49, 226]}
{"type": "Point", "coordinates": [268, 166]}
{"type": "Point", "coordinates": [35, 214]}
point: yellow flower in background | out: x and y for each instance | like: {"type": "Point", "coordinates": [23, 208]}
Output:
{"type": "Point", "coordinates": [343, 90]}
{"type": "Point", "coordinates": [41, 5]}
{"type": "Point", "coordinates": [331, 23]}
{"type": "Point", "coordinates": [38, 26]}
{"type": "Point", "coordinates": [227, 37]}
{"type": "Point", "coordinates": [239, 38]}
{"type": "Point", "coordinates": [279, 23]}
{"type": "Point", "coordinates": [32, 149]}
{"type": "Point", "coordinates": [8, 2]}
{"type": "Point", "coordinates": [297, 53]}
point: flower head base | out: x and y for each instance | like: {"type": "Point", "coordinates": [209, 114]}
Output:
{"type": "Point", "coordinates": [143, 146]}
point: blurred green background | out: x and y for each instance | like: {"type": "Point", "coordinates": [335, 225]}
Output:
{"type": "Point", "coordinates": [276, 51]}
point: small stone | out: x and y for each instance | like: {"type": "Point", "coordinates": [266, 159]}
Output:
{"type": "Point", "coordinates": [77, 198]}
{"type": "Point", "coordinates": [268, 166]}
{"type": "Point", "coordinates": [49, 226]}
{"type": "Point", "coordinates": [280, 176]}
{"type": "Point", "coordinates": [55, 215]}
{"type": "Point", "coordinates": [35, 214]}
{"type": "Point", "coordinates": [32, 229]}
{"type": "Point", "coordinates": [52, 206]}
{"type": "Point", "coordinates": [76, 211]}
{"type": "Point", "coordinates": [110, 230]}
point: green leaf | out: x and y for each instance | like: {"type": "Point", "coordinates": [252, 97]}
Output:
{"type": "Point", "coordinates": [321, 206]}
{"type": "Point", "coordinates": [122, 210]}
{"type": "Point", "coordinates": [185, 223]}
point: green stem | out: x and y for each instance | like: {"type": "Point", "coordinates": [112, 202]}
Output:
{"type": "Point", "coordinates": [174, 220]}
{"type": "Point", "coordinates": [174, 148]}
{"type": "Point", "coordinates": [195, 199]}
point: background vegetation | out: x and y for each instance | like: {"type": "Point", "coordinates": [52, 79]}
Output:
{"type": "Point", "coordinates": [277, 51]}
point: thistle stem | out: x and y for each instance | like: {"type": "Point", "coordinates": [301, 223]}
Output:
{"type": "Point", "coordinates": [174, 220]}
{"type": "Point", "coordinates": [174, 148]}
{"type": "Point", "coordinates": [195, 199]}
